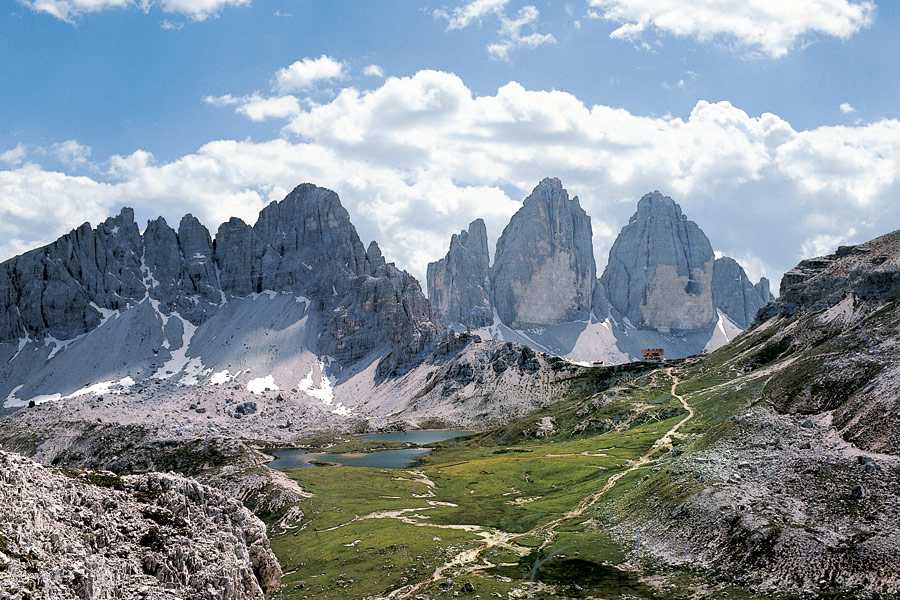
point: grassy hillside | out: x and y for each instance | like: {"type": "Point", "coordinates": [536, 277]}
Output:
{"type": "Point", "coordinates": [599, 496]}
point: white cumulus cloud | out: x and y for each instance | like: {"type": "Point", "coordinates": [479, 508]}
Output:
{"type": "Point", "coordinates": [765, 27]}
{"type": "Point", "coordinates": [513, 36]}
{"type": "Point", "coordinates": [518, 31]}
{"type": "Point", "coordinates": [373, 71]}
{"type": "Point", "coordinates": [71, 152]}
{"type": "Point", "coordinates": [69, 10]}
{"type": "Point", "coordinates": [14, 156]}
{"type": "Point", "coordinates": [259, 108]}
{"type": "Point", "coordinates": [417, 158]}
{"type": "Point", "coordinates": [471, 12]}
{"type": "Point", "coordinates": [304, 74]}
{"type": "Point", "coordinates": [847, 108]}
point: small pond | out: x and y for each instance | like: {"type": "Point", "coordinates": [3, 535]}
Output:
{"type": "Point", "coordinates": [381, 459]}
{"type": "Point", "coordinates": [417, 436]}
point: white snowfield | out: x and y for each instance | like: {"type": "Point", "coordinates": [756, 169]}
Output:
{"type": "Point", "coordinates": [609, 341]}
{"type": "Point", "coordinates": [144, 366]}
{"type": "Point", "coordinates": [262, 384]}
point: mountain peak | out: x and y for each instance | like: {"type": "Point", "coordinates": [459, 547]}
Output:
{"type": "Point", "coordinates": [550, 189]}
{"type": "Point", "coordinates": [657, 205]}
{"type": "Point", "coordinates": [544, 271]}
{"type": "Point", "coordinates": [660, 269]}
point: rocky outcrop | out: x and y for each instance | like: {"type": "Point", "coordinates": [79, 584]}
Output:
{"type": "Point", "coordinates": [57, 290]}
{"type": "Point", "coordinates": [869, 271]}
{"type": "Point", "coordinates": [459, 285]}
{"type": "Point", "coordinates": [98, 535]}
{"type": "Point", "coordinates": [837, 331]}
{"type": "Point", "coordinates": [308, 243]}
{"type": "Point", "coordinates": [660, 269]}
{"type": "Point", "coordinates": [763, 289]}
{"type": "Point", "coordinates": [544, 271]}
{"type": "Point", "coordinates": [304, 245]}
{"type": "Point", "coordinates": [733, 293]}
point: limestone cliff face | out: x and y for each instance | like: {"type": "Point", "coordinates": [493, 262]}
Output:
{"type": "Point", "coordinates": [57, 290]}
{"type": "Point", "coordinates": [544, 271]}
{"type": "Point", "coordinates": [733, 293]}
{"type": "Point", "coordinates": [763, 289]}
{"type": "Point", "coordinates": [304, 244]}
{"type": "Point", "coordinates": [459, 285]}
{"type": "Point", "coordinates": [660, 269]}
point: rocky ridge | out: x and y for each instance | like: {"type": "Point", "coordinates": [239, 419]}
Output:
{"type": "Point", "coordinates": [662, 286]}
{"type": "Point", "coordinates": [735, 295]}
{"type": "Point", "coordinates": [544, 271]}
{"type": "Point", "coordinates": [304, 245]}
{"type": "Point", "coordinates": [110, 311]}
{"type": "Point", "coordinates": [838, 319]}
{"type": "Point", "coordinates": [660, 269]}
{"type": "Point", "coordinates": [459, 285]}
{"type": "Point", "coordinates": [797, 490]}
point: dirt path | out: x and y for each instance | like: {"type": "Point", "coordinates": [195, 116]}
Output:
{"type": "Point", "coordinates": [547, 530]}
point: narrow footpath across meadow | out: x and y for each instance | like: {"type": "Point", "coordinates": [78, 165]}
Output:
{"type": "Point", "coordinates": [547, 531]}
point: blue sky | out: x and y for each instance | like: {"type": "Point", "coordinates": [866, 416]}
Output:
{"type": "Point", "coordinates": [774, 125]}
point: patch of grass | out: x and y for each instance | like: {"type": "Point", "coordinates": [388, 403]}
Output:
{"type": "Point", "coordinates": [508, 479]}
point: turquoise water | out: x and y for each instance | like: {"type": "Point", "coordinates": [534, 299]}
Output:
{"type": "Point", "coordinates": [380, 459]}
{"type": "Point", "coordinates": [290, 459]}
{"type": "Point", "coordinates": [417, 436]}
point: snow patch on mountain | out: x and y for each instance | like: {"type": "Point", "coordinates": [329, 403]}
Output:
{"type": "Point", "coordinates": [324, 391]}
{"type": "Point", "coordinates": [178, 360]}
{"type": "Point", "coordinates": [724, 332]}
{"type": "Point", "coordinates": [262, 384]}
{"type": "Point", "coordinates": [97, 389]}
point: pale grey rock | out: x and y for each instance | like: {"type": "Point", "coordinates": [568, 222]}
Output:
{"type": "Point", "coordinates": [162, 258]}
{"type": "Point", "coordinates": [367, 306]}
{"type": "Point", "coordinates": [459, 285]}
{"type": "Point", "coordinates": [600, 307]}
{"type": "Point", "coordinates": [238, 254]}
{"type": "Point", "coordinates": [374, 259]}
{"type": "Point", "coordinates": [763, 289]}
{"type": "Point", "coordinates": [199, 274]}
{"type": "Point", "coordinates": [660, 269]}
{"type": "Point", "coordinates": [353, 304]}
{"type": "Point", "coordinates": [733, 293]}
{"type": "Point", "coordinates": [316, 248]}
{"type": "Point", "coordinates": [544, 271]}
{"type": "Point", "coordinates": [49, 291]}
{"type": "Point", "coordinates": [149, 536]}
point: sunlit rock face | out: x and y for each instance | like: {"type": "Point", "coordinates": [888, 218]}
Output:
{"type": "Point", "coordinates": [544, 271]}
{"type": "Point", "coordinates": [735, 295]}
{"type": "Point", "coordinates": [459, 284]}
{"type": "Point", "coordinates": [660, 269]}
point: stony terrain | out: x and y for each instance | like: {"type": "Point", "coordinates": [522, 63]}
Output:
{"type": "Point", "coordinates": [767, 467]}
{"type": "Point", "coordinates": [732, 475]}
{"type": "Point", "coordinates": [799, 488]}
{"type": "Point", "coordinates": [112, 306]}
{"type": "Point", "coordinates": [91, 535]}
{"type": "Point", "coordinates": [779, 503]}
{"type": "Point", "coordinates": [291, 325]}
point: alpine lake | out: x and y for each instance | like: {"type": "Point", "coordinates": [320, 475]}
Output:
{"type": "Point", "coordinates": [355, 453]}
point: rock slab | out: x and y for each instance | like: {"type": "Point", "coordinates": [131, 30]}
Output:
{"type": "Point", "coordinates": [459, 284]}
{"type": "Point", "coordinates": [660, 269]}
{"type": "Point", "coordinates": [544, 271]}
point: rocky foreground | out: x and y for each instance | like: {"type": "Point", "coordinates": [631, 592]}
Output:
{"type": "Point", "coordinates": [72, 534]}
